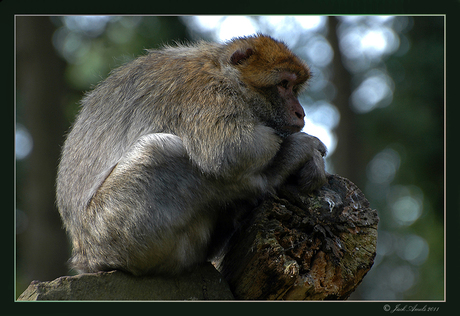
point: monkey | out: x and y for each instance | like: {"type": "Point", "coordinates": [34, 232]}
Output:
{"type": "Point", "coordinates": [162, 147]}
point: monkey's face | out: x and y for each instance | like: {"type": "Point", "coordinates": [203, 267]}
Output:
{"type": "Point", "coordinates": [276, 75]}
{"type": "Point", "coordinates": [289, 104]}
{"type": "Point", "coordinates": [277, 106]}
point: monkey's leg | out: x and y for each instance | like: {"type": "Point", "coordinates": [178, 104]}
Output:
{"type": "Point", "coordinates": [148, 216]}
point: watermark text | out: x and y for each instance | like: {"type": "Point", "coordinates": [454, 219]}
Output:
{"type": "Point", "coordinates": [409, 308]}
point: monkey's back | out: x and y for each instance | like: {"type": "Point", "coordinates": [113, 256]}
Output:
{"type": "Point", "coordinates": [134, 100]}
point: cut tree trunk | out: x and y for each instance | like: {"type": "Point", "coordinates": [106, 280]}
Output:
{"type": "Point", "coordinates": [296, 247]}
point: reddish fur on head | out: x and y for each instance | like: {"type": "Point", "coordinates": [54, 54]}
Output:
{"type": "Point", "coordinates": [262, 59]}
{"type": "Point", "coordinates": [272, 70]}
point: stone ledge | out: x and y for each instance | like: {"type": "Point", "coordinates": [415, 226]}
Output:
{"type": "Point", "coordinates": [203, 283]}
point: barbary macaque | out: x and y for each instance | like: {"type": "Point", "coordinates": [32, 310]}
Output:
{"type": "Point", "coordinates": [165, 144]}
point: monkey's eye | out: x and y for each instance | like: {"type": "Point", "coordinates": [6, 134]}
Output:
{"type": "Point", "coordinates": [284, 84]}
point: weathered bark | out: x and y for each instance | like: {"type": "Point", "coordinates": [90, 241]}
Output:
{"type": "Point", "coordinates": [304, 247]}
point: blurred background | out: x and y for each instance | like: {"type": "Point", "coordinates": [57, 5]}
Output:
{"type": "Point", "coordinates": [376, 100]}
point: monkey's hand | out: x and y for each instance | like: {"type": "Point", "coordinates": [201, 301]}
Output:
{"type": "Point", "coordinates": [312, 175]}
{"type": "Point", "coordinates": [301, 162]}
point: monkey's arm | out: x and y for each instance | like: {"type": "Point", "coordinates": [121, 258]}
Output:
{"type": "Point", "coordinates": [258, 160]}
{"type": "Point", "coordinates": [232, 150]}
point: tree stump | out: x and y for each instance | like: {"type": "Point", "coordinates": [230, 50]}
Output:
{"type": "Point", "coordinates": [298, 247]}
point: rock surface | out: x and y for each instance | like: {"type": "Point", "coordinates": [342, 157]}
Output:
{"type": "Point", "coordinates": [203, 283]}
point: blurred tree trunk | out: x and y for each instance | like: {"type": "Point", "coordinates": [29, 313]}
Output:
{"type": "Point", "coordinates": [346, 158]}
{"type": "Point", "coordinates": [40, 89]}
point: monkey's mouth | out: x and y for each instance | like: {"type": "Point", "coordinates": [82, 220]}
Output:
{"type": "Point", "coordinates": [286, 130]}
{"type": "Point", "coordinates": [292, 128]}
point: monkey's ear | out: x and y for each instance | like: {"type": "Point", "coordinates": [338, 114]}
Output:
{"type": "Point", "coordinates": [239, 56]}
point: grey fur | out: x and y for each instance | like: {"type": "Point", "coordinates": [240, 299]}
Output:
{"type": "Point", "coordinates": [158, 149]}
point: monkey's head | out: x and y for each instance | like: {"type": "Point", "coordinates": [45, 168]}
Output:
{"type": "Point", "coordinates": [274, 77]}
